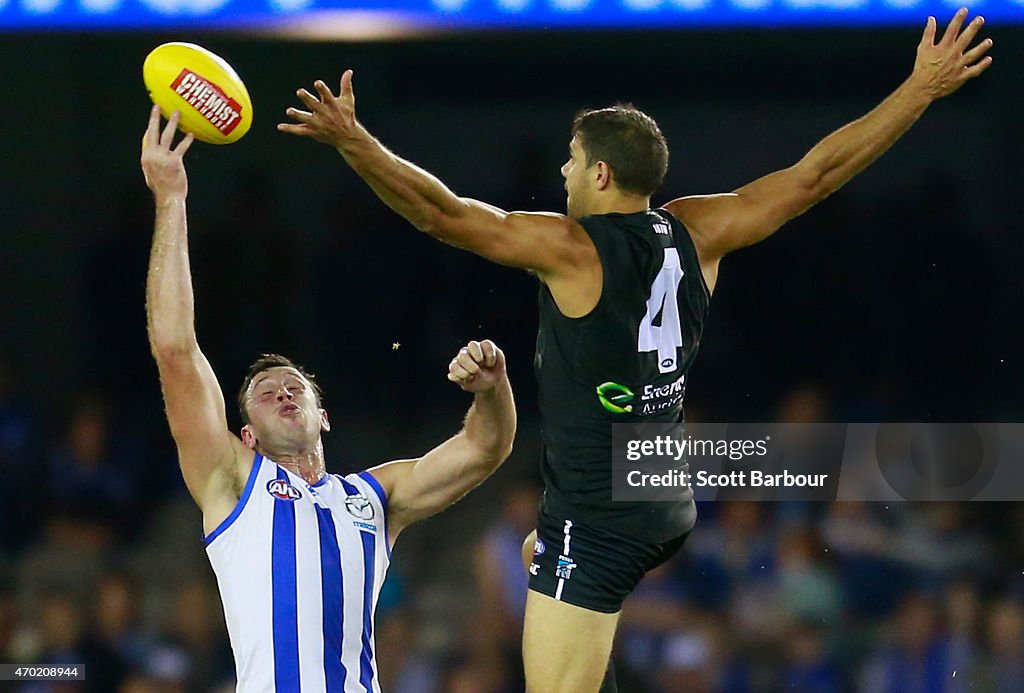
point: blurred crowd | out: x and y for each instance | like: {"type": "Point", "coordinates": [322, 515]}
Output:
{"type": "Point", "coordinates": [103, 565]}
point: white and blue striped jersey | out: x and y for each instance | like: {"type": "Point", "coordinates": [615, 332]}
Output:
{"type": "Point", "coordinates": [300, 567]}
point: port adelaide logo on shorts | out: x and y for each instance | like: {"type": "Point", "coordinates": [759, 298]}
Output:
{"type": "Point", "coordinates": [564, 568]}
{"type": "Point", "coordinates": [282, 490]}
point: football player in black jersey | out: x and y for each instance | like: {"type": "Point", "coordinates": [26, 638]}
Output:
{"type": "Point", "coordinates": [624, 294]}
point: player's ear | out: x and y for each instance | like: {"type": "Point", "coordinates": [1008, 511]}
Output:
{"type": "Point", "coordinates": [602, 175]}
{"type": "Point", "coordinates": [248, 437]}
{"type": "Point", "coordinates": [325, 421]}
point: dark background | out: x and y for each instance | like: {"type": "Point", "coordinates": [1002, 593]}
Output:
{"type": "Point", "coordinates": [898, 292]}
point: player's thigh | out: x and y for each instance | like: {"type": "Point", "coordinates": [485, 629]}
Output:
{"type": "Point", "coordinates": [579, 576]}
{"type": "Point", "coordinates": [565, 647]}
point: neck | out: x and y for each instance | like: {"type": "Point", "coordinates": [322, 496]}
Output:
{"type": "Point", "coordinates": [620, 203]}
{"type": "Point", "coordinates": [309, 465]}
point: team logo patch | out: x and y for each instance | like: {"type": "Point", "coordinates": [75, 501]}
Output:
{"type": "Point", "coordinates": [359, 506]}
{"type": "Point", "coordinates": [282, 490]}
{"type": "Point", "coordinates": [564, 568]}
{"type": "Point", "coordinates": [538, 547]}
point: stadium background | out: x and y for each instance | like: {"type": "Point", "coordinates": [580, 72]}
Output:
{"type": "Point", "coordinates": [898, 299]}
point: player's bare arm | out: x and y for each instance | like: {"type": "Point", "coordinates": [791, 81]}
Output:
{"type": "Point", "coordinates": [723, 223]}
{"type": "Point", "coordinates": [209, 454]}
{"type": "Point", "coordinates": [417, 489]}
{"type": "Point", "coordinates": [553, 245]}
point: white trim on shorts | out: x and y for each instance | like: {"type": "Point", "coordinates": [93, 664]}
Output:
{"type": "Point", "coordinates": [565, 552]}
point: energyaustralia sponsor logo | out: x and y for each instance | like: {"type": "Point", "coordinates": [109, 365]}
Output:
{"type": "Point", "coordinates": [653, 399]}
{"type": "Point", "coordinates": [615, 398]}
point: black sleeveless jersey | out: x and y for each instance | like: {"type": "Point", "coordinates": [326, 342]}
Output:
{"type": "Point", "coordinates": [624, 362]}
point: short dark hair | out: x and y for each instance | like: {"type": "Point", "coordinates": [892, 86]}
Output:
{"type": "Point", "coordinates": [629, 141]}
{"type": "Point", "coordinates": [266, 362]}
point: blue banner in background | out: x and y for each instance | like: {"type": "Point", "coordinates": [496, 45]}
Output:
{"type": "Point", "coordinates": [381, 18]}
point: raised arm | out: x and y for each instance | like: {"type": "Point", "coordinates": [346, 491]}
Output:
{"type": "Point", "coordinates": [419, 488]}
{"type": "Point", "coordinates": [207, 451]}
{"type": "Point", "coordinates": [550, 244]}
{"type": "Point", "coordinates": [723, 223]}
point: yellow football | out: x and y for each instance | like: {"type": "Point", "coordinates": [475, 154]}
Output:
{"type": "Point", "coordinates": [211, 97]}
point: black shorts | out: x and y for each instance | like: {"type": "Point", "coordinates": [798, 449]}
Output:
{"type": "Point", "coordinates": [590, 567]}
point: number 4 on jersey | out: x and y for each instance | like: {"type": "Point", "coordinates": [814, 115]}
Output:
{"type": "Point", "coordinates": [666, 337]}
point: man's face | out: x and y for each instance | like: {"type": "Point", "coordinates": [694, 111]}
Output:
{"type": "Point", "coordinates": [283, 410]}
{"type": "Point", "coordinates": [576, 183]}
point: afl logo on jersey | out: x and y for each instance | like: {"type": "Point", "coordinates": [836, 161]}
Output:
{"type": "Point", "coordinates": [359, 506]}
{"type": "Point", "coordinates": [282, 490]}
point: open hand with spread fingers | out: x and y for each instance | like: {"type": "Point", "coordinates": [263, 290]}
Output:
{"type": "Point", "coordinates": [943, 67]}
{"type": "Point", "coordinates": [329, 119]}
{"type": "Point", "coordinates": [478, 366]}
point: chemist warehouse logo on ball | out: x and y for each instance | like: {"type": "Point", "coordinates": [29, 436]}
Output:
{"type": "Point", "coordinates": [209, 100]}
{"type": "Point", "coordinates": [282, 490]}
{"type": "Point", "coordinates": [619, 399]}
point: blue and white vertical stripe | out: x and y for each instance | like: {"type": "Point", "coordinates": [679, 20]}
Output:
{"type": "Point", "coordinates": [300, 568]}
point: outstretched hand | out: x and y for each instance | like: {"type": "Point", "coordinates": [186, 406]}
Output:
{"type": "Point", "coordinates": [162, 164]}
{"type": "Point", "coordinates": [330, 119]}
{"type": "Point", "coordinates": [944, 67]}
{"type": "Point", "coordinates": [478, 366]}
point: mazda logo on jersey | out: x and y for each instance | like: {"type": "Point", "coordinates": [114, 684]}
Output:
{"type": "Point", "coordinates": [282, 490]}
{"type": "Point", "coordinates": [359, 506]}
